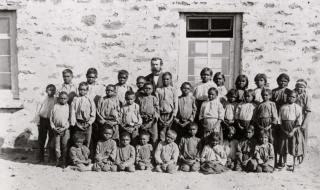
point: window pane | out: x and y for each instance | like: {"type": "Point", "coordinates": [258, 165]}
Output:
{"type": "Point", "coordinates": [5, 64]}
{"type": "Point", "coordinates": [5, 81]}
{"type": "Point", "coordinates": [195, 65]}
{"type": "Point", "coordinates": [198, 24]}
{"type": "Point", "coordinates": [4, 25]}
{"type": "Point", "coordinates": [198, 48]}
{"type": "Point", "coordinates": [4, 47]}
{"type": "Point", "coordinates": [221, 24]}
{"type": "Point", "coordinates": [220, 48]}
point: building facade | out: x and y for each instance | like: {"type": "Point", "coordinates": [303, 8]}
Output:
{"type": "Point", "coordinates": [40, 38]}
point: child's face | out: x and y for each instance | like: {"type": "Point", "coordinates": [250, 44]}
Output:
{"type": "Point", "coordinates": [219, 80]}
{"type": "Point", "coordinates": [292, 98]}
{"type": "Point", "coordinates": [232, 98]}
{"type": "Point", "coordinates": [283, 83]}
{"type": "Point", "coordinates": [125, 140]}
{"type": "Point", "coordinates": [67, 78]}
{"type": "Point", "coordinates": [51, 91]}
{"type": "Point", "coordinates": [144, 139]}
{"type": "Point", "coordinates": [83, 90]}
{"type": "Point", "coordinates": [79, 143]}
{"type": "Point", "coordinates": [260, 82]}
{"type": "Point", "coordinates": [63, 99]}
{"type": "Point", "coordinates": [140, 83]}
{"type": "Point", "coordinates": [231, 134]}
{"type": "Point", "coordinates": [249, 134]}
{"type": "Point", "coordinates": [206, 76]}
{"type": "Point", "coordinates": [300, 88]}
{"type": "Point", "coordinates": [130, 99]}
{"type": "Point", "coordinates": [185, 89]}
{"type": "Point", "coordinates": [122, 79]}
{"type": "Point", "coordinates": [264, 139]}
{"type": "Point", "coordinates": [110, 91]}
{"type": "Point", "coordinates": [107, 134]}
{"type": "Point", "coordinates": [148, 89]}
{"type": "Point", "coordinates": [242, 83]}
{"type": "Point", "coordinates": [91, 78]}
{"type": "Point", "coordinates": [248, 97]}
{"type": "Point", "coordinates": [170, 138]}
{"type": "Point", "coordinates": [265, 96]}
{"type": "Point", "coordinates": [212, 95]}
{"type": "Point", "coordinates": [166, 80]}
{"type": "Point", "coordinates": [193, 130]}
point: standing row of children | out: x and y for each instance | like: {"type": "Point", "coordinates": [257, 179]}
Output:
{"type": "Point", "coordinates": [216, 129]}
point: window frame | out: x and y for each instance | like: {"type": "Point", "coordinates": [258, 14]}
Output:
{"type": "Point", "coordinates": [183, 50]}
{"type": "Point", "coordinates": [12, 15]}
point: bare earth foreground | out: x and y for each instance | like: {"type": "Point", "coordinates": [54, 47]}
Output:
{"type": "Point", "coordinates": [17, 171]}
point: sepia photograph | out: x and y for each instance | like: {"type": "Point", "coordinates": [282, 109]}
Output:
{"type": "Point", "coordinates": [159, 94]}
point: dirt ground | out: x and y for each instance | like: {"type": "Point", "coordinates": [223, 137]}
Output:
{"type": "Point", "coordinates": [18, 171]}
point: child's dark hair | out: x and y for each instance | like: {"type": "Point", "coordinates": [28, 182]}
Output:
{"type": "Point", "coordinates": [205, 70]}
{"type": "Point", "coordinates": [140, 77]}
{"type": "Point", "coordinates": [147, 84]}
{"type": "Point", "coordinates": [167, 73]}
{"type": "Point", "coordinates": [251, 93]}
{"type": "Point", "coordinates": [144, 133]}
{"type": "Point", "coordinates": [129, 93]}
{"type": "Point", "coordinates": [125, 134]}
{"type": "Point", "coordinates": [157, 59]}
{"type": "Point", "coordinates": [240, 77]}
{"type": "Point", "coordinates": [213, 89]}
{"type": "Point", "coordinates": [78, 136]}
{"type": "Point", "coordinates": [63, 93]}
{"type": "Point", "coordinates": [92, 71]}
{"type": "Point", "coordinates": [266, 90]}
{"type": "Point", "coordinates": [106, 127]}
{"type": "Point", "coordinates": [232, 93]}
{"type": "Point", "coordinates": [261, 76]}
{"type": "Point", "coordinates": [283, 75]}
{"type": "Point", "coordinates": [83, 84]}
{"type": "Point", "coordinates": [228, 130]}
{"type": "Point", "coordinates": [111, 85]}
{"type": "Point", "coordinates": [186, 83]}
{"type": "Point", "coordinates": [193, 124]}
{"type": "Point", "coordinates": [215, 136]}
{"type": "Point", "coordinates": [216, 75]}
{"type": "Point", "coordinates": [262, 133]}
{"type": "Point", "coordinates": [173, 132]}
{"type": "Point", "coordinates": [67, 71]}
{"type": "Point", "coordinates": [290, 92]}
{"type": "Point", "coordinates": [51, 86]}
{"type": "Point", "coordinates": [250, 128]}
{"type": "Point", "coordinates": [123, 72]}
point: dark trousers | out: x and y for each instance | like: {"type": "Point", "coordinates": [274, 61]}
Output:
{"type": "Point", "coordinates": [44, 130]}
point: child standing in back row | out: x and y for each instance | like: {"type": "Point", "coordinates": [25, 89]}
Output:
{"type": "Point", "coordinates": [95, 90]}
{"type": "Point", "coordinates": [186, 111]}
{"type": "Point", "coordinates": [279, 95]}
{"type": "Point", "coordinates": [42, 119]}
{"type": "Point", "coordinates": [122, 87]}
{"type": "Point", "coordinates": [59, 121]}
{"type": "Point", "coordinates": [140, 85]}
{"type": "Point", "coordinates": [261, 82]}
{"type": "Point", "coordinates": [168, 102]}
{"type": "Point", "coordinates": [220, 79]}
{"type": "Point", "coordinates": [68, 86]}
{"type": "Point", "coordinates": [242, 83]}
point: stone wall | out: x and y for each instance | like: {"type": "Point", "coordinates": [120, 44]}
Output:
{"type": "Point", "coordinates": [278, 36]}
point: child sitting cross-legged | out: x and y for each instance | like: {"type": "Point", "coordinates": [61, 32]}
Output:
{"type": "Point", "coordinates": [106, 151]}
{"type": "Point", "coordinates": [79, 154]}
{"type": "Point", "coordinates": [230, 145]}
{"type": "Point", "coordinates": [213, 157]}
{"type": "Point", "coordinates": [264, 154]}
{"type": "Point", "coordinates": [144, 152]}
{"type": "Point", "coordinates": [167, 153]}
{"type": "Point", "coordinates": [125, 154]}
{"type": "Point", "coordinates": [189, 150]}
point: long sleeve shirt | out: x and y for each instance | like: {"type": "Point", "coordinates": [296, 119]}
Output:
{"type": "Point", "coordinates": [108, 109]}
{"type": "Point", "coordinates": [246, 147]}
{"type": "Point", "coordinates": [84, 109]}
{"type": "Point", "coordinates": [71, 89]}
{"type": "Point", "coordinates": [44, 108]}
{"type": "Point", "coordinates": [168, 100]}
{"type": "Point", "coordinates": [189, 148]}
{"type": "Point", "coordinates": [96, 90]}
{"type": "Point", "coordinates": [187, 107]}
{"type": "Point", "coordinates": [60, 116]}
{"type": "Point", "coordinates": [201, 90]}
{"type": "Point", "coordinates": [107, 150]}
{"type": "Point", "coordinates": [144, 153]}
{"type": "Point", "coordinates": [166, 153]}
{"type": "Point", "coordinates": [264, 154]}
{"type": "Point", "coordinates": [230, 112]}
{"type": "Point", "coordinates": [121, 91]}
{"type": "Point", "coordinates": [245, 111]}
{"type": "Point", "coordinates": [126, 155]}
{"type": "Point", "coordinates": [304, 100]}
{"type": "Point", "coordinates": [131, 114]}
{"type": "Point", "coordinates": [212, 109]}
{"type": "Point", "coordinates": [79, 154]}
{"type": "Point", "coordinates": [149, 105]}
{"type": "Point", "coordinates": [291, 112]}
{"type": "Point", "coordinates": [266, 109]}
{"type": "Point", "coordinates": [215, 153]}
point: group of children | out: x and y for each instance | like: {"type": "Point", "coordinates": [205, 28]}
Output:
{"type": "Point", "coordinates": [206, 128]}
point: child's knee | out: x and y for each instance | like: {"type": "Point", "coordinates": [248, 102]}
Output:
{"type": "Point", "coordinates": [171, 168]}
{"type": "Point", "coordinates": [259, 169]}
{"type": "Point", "coordinates": [158, 168]}
{"type": "Point", "coordinates": [195, 167]}
{"type": "Point", "coordinates": [113, 168]}
{"type": "Point", "coordinates": [267, 169]}
{"type": "Point", "coordinates": [251, 165]}
{"type": "Point", "coordinates": [141, 166]}
{"type": "Point", "coordinates": [96, 167]}
{"type": "Point", "coordinates": [185, 167]}
{"type": "Point", "coordinates": [131, 168]}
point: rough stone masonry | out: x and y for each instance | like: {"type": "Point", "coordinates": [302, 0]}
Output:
{"type": "Point", "coordinates": [277, 36]}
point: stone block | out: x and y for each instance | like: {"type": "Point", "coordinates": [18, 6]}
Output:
{"type": "Point", "coordinates": [89, 20]}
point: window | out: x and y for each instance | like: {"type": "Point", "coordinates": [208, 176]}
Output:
{"type": "Point", "coordinates": [209, 40]}
{"type": "Point", "coordinates": [8, 53]}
